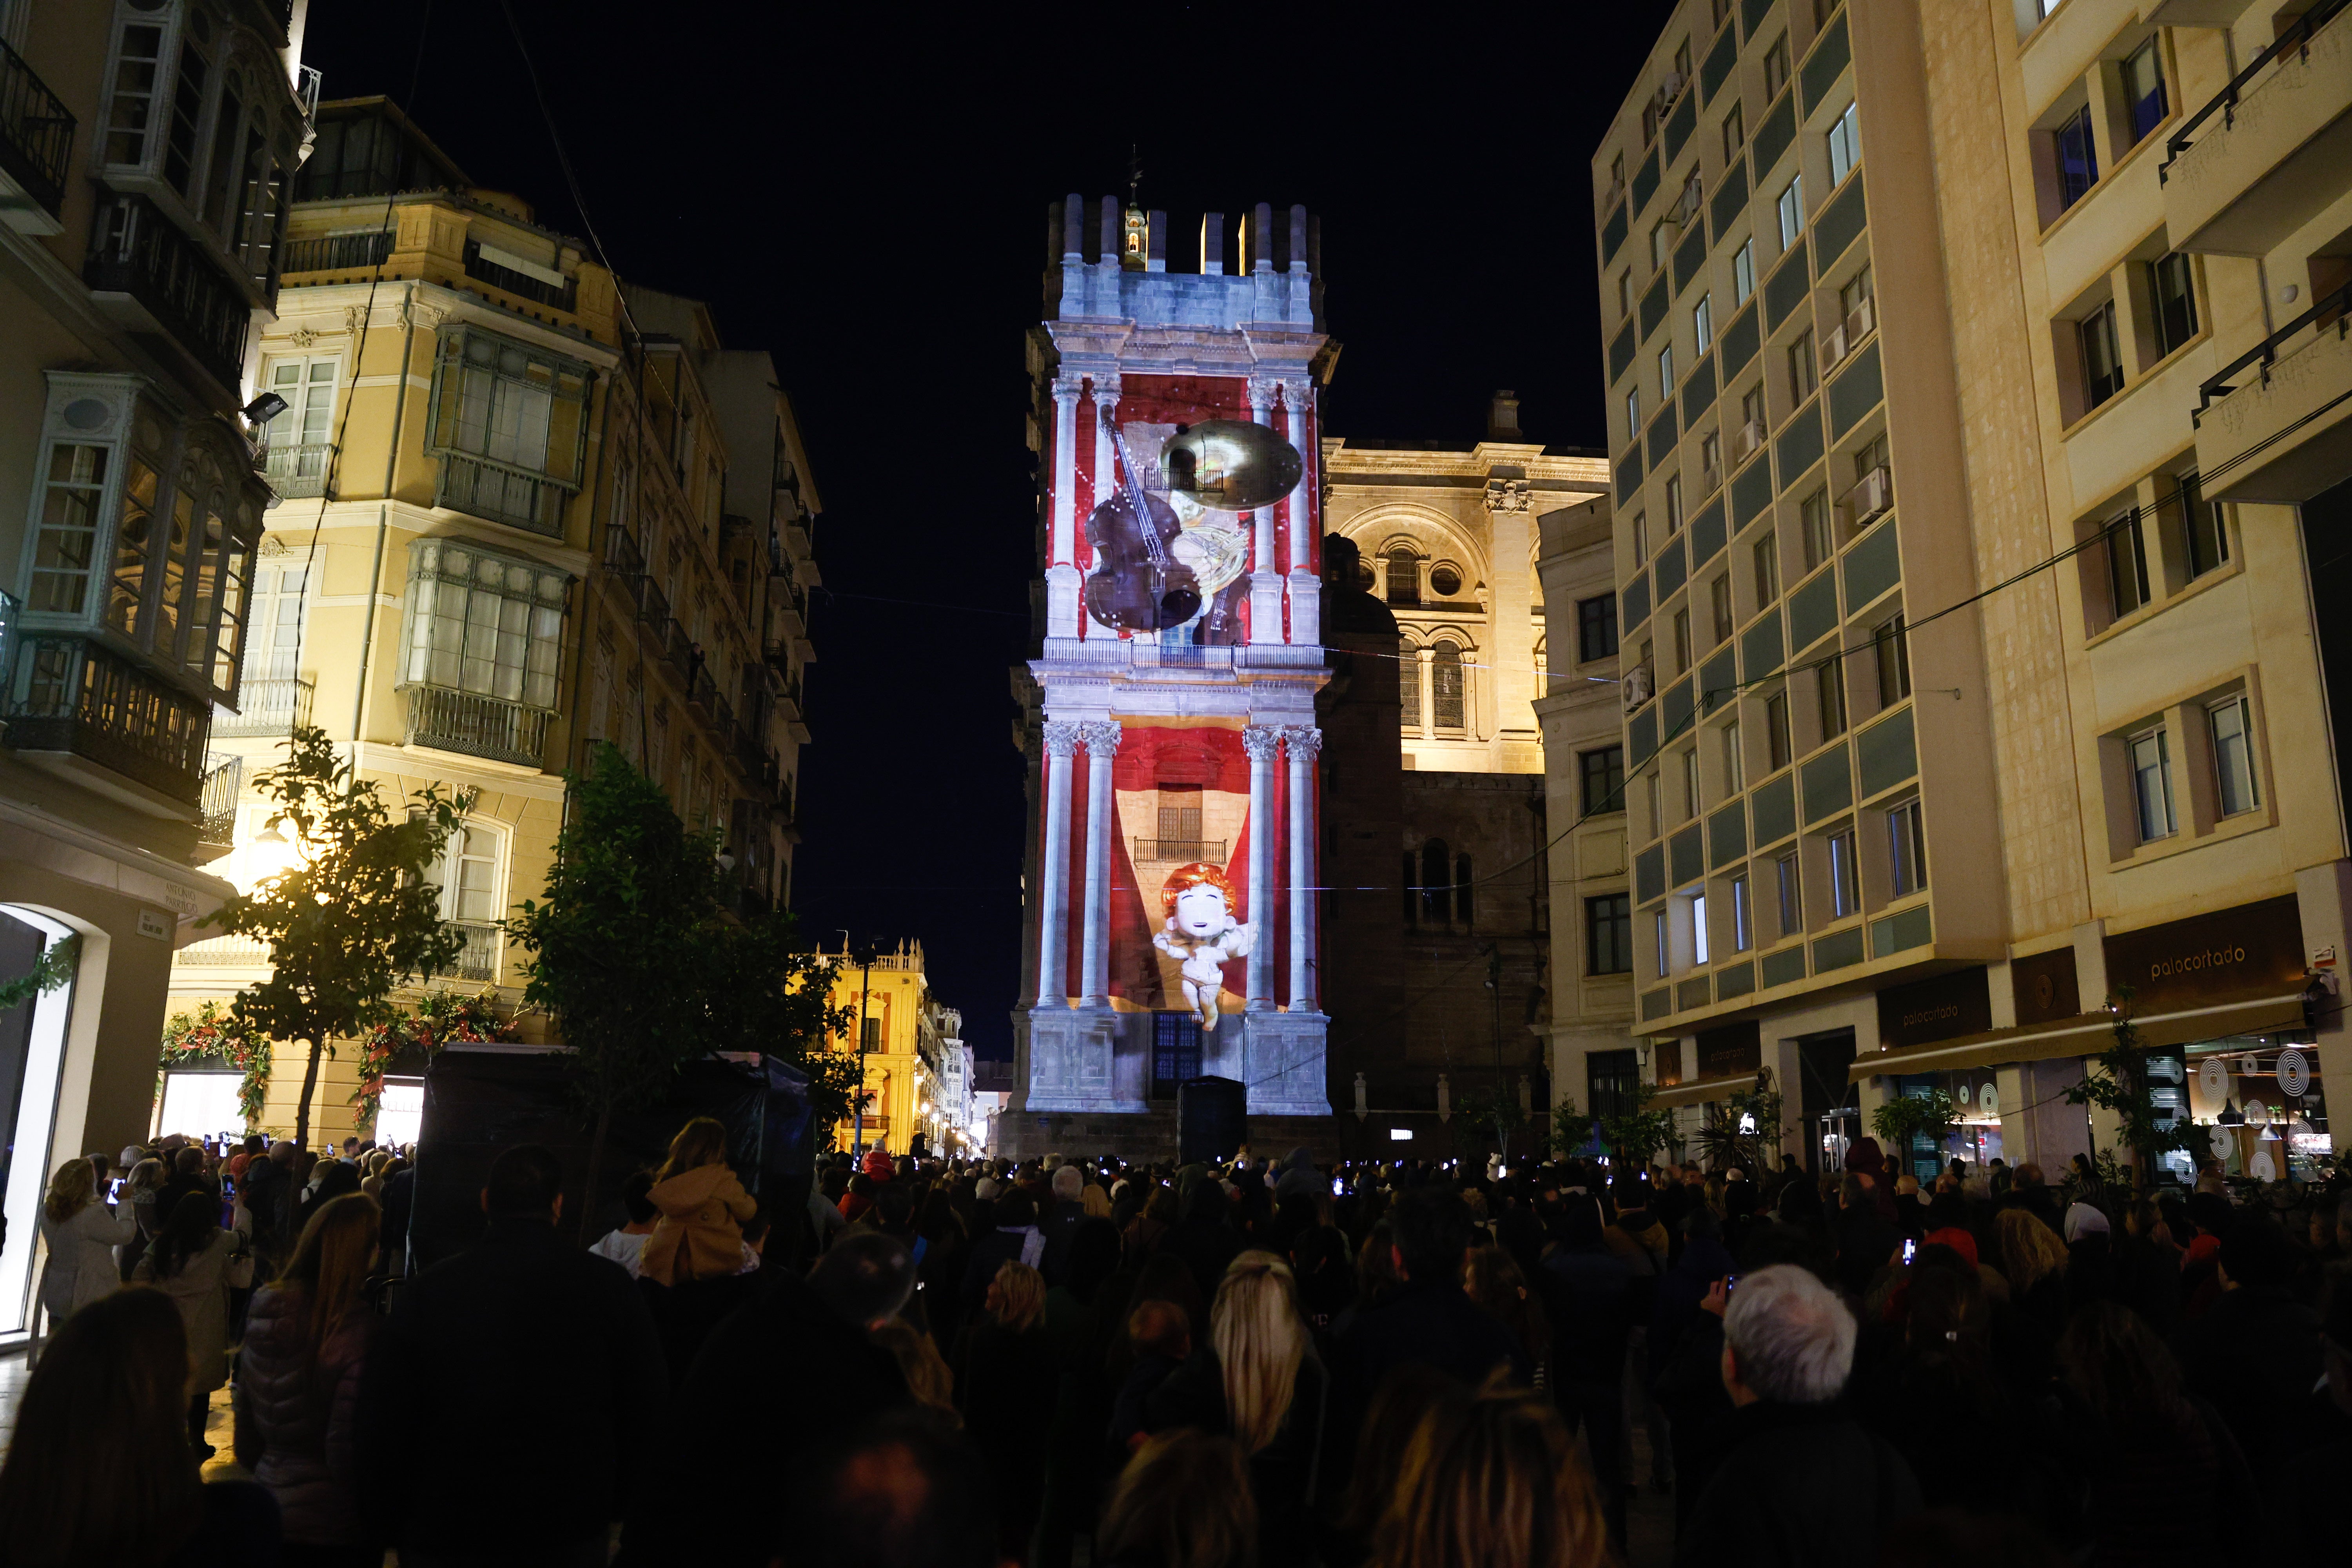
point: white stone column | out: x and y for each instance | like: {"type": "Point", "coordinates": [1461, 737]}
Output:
{"type": "Point", "coordinates": [1106, 454]}
{"type": "Point", "coordinates": [1428, 658]}
{"type": "Point", "coordinates": [1306, 590]}
{"type": "Point", "coordinates": [1303, 742]}
{"type": "Point", "coordinates": [1054, 889]}
{"type": "Point", "coordinates": [1266, 570]}
{"type": "Point", "coordinates": [1261, 742]}
{"type": "Point", "coordinates": [1101, 738]}
{"type": "Point", "coordinates": [1062, 580]}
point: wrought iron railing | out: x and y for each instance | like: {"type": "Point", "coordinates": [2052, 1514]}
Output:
{"type": "Point", "coordinates": [491, 489]}
{"type": "Point", "coordinates": [478, 959]}
{"type": "Point", "coordinates": [521, 284]}
{"type": "Point", "coordinates": [217, 825]}
{"type": "Point", "coordinates": [476, 725]}
{"type": "Point", "coordinates": [136, 250]}
{"type": "Point", "coordinates": [1172, 850]}
{"type": "Point", "coordinates": [271, 706]}
{"type": "Point", "coordinates": [337, 252]}
{"type": "Point", "coordinates": [80, 698]}
{"type": "Point", "coordinates": [225, 952]}
{"type": "Point", "coordinates": [35, 132]}
{"type": "Point", "coordinates": [298, 469]}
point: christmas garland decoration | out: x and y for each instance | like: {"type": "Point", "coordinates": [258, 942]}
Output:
{"type": "Point", "coordinates": [213, 1031]}
{"type": "Point", "coordinates": [51, 970]}
{"type": "Point", "coordinates": [441, 1019]}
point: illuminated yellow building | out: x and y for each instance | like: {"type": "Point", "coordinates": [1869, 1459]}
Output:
{"type": "Point", "coordinates": [522, 507]}
{"type": "Point", "coordinates": [916, 1065]}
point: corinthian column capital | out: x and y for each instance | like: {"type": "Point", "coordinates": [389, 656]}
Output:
{"type": "Point", "coordinates": [1062, 737]}
{"type": "Point", "coordinates": [1304, 740]}
{"type": "Point", "coordinates": [1102, 737]}
{"type": "Point", "coordinates": [1261, 742]}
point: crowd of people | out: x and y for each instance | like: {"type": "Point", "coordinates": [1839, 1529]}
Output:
{"type": "Point", "coordinates": [973, 1363]}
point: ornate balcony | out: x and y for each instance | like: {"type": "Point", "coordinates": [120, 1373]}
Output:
{"type": "Point", "coordinates": [273, 706]}
{"type": "Point", "coordinates": [298, 469]}
{"type": "Point", "coordinates": [217, 829]}
{"type": "Point", "coordinates": [143, 265]}
{"type": "Point", "coordinates": [81, 698]}
{"type": "Point", "coordinates": [479, 959]}
{"type": "Point", "coordinates": [338, 252]}
{"type": "Point", "coordinates": [477, 726]}
{"type": "Point", "coordinates": [36, 144]}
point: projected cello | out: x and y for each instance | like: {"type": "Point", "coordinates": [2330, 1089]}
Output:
{"type": "Point", "coordinates": [1137, 586]}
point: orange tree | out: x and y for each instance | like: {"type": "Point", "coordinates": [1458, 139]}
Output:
{"type": "Point", "coordinates": [638, 956]}
{"type": "Point", "coordinates": [351, 917]}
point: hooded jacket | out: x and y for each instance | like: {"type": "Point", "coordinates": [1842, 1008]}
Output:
{"type": "Point", "coordinates": [701, 1233]}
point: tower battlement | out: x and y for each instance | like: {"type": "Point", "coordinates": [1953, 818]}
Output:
{"type": "Point", "coordinates": [1106, 263]}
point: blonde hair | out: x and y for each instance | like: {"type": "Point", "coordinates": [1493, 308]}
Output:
{"type": "Point", "coordinates": [1183, 1501]}
{"type": "Point", "coordinates": [70, 1190]}
{"type": "Point", "coordinates": [925, 1369]}
{"type": "Point", "coordinates": [1259, 1339]}
{"type": "Point", "coordinates": [2030, 1251]}
{"type": "Point", "coordinates": [1095, 1202]}
{"type": "Point", "coordinates": [701, 1142]}
{"type": "Point", "coordinates": [1020, 1295]}
{"type": "Point", "coordinates": [1492, 1479]}
{"type": "Point", "coordinates": [378, 1161]}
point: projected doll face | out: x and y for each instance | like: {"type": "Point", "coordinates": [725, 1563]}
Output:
{"type": "Point", "coordinates": [1201, 911]}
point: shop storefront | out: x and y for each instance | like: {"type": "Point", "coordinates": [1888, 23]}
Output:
{"type": "Point", "coordinates": [2252, 1091]}
{"type": "Point", "coordinates": [2220, 1000]}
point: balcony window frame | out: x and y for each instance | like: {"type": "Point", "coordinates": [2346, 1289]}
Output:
{"type": "Point", "coordinates": [2098, 341]}
{"type": "Point", "coordinates": [2172, 302]}
{"type": "Point", "coordinates": [1735, 132]}
{"type": "Point", "coordinates": [1765, 558]}
{"type": "Point", "coordinates": [2204, 530]}
{"type": "Point", "coordinates": [1907, 848]}
{"type": "Point", "coordinates": [448, 576]}
{"type": "Point", "coordinates": [197, 527]}
{"type": "Point", "coordinates": [1844, 872]}
{"type": "Point", "coordinates": [472, 390]}
{"type": "Point", "coordinates": [1788, 210]}
{"type": "Point", "coordinates": [1743, 272]}
{"type": "Point", "coordinates": [1703, 323]}
{"type": "Point", "coordinates": [2144, 111]}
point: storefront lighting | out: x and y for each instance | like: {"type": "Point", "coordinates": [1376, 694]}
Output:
{"type": "Point", "coordinates": [2230, 1115]}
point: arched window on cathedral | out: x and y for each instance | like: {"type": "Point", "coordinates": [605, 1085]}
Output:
{"type": "Point", "coordinates": [1445, 687]}
{"type": "Point", "coordinates": [1436, 882]}
{"type": "Point", "coordinates": [1403, 577]}
{"type": "Point", "coordinates": [1409, 683]}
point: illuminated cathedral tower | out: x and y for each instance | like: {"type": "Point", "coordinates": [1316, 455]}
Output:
{"type": "Point", "coordinates": [1169, 913]}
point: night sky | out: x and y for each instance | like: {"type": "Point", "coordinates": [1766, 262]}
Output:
{"type": "Point", "coordinates": [861, 190]}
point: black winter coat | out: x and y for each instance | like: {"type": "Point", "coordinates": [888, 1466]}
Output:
{"type": "Point", "coordinates": [775, 1389]}
{"type": "Point", "coordinates": [510, 1401]}
{"type": "Point", "coordinates": [297, 1420]}
{"type": "Point", "coordinates": [1798, 1486]}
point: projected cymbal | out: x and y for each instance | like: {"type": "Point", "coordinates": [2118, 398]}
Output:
{"type": "Point", "coordinates": [1226, 464]}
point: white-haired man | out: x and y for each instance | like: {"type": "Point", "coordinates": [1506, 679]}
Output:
{"type": "Point", "coordinates": [1069, 1185]}
{"type": "Point", "coordinates": [1801, 1482]}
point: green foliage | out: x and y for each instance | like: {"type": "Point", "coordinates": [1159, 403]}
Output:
{"type": "Point", "coordinates": [639, 960]}
{"type": "Point", "coordinates": [1745, 1129]}
{"type": "Point", "coordinates": [353, 917]}
{"type": "Point", "coordinates": [2118, 1083]}
{"type": "Point", "coordinates": [1641, 1134]}
{"type": "Point", "coordinates": [441, 1017]}
{"type": "Point", "coordinates": [212, 1031]}
{"type": "Point", "coordinates": [1497, 1109]}
{"type": "Point", "coordinates": [1931, 1114]}
{"type": "Point", "coordinates": [1571, 1129]}
{"type": "Point", "coordinates": [51, 970]}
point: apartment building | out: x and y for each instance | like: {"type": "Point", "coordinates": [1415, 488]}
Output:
{"type": "Point", "coordinates": [1971, 667]}
{"type": "Point", "coordinates": [520, 506]}
{"type": "Point", "coordinates": [145, 152]}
